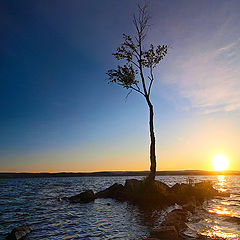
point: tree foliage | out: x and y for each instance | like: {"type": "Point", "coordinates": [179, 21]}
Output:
{"type": "Point", "coordinates": [136, 58]}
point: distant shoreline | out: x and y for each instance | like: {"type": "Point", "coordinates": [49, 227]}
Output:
{"type": "Point", "coordinates": [114, 173]}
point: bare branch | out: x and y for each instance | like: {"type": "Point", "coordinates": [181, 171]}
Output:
{"type": "Point", "coordinates": [128, 95]}
{"type": "Point", "coordinates": [151, 81]}
{"type": "Point", "coordinates": [137, 90]}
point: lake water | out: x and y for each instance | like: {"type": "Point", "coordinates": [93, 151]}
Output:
{"type": "Point", "coordinates": [34, 201]}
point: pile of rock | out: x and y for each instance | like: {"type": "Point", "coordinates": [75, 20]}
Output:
{"type": "Point", "coordinates": [173, 225]}
{"type": "Point", "coordinates": [158, 194]}
{"type": "Point", "coordinates": [152, 194]}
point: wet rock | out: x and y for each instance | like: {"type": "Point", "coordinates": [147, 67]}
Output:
{"type": "Point", "coordinates": [190, 206]}
{"type": "Point", "coordinates": [163, 185]}
{"type": "Point", "coordinates": [177, 218]}
{"type": "Point", "coordinates": [132, 184]}
{"type": "Point", "coordinates": [116, 191]}
{"type": "Point", "coordinates": [165, 233]}
{"type": "Point", "coordinates": [84, 197]}
{"type": "Point", "coordinates": [178, 187]}
{"type": "Point", "coordinates": [19, 233]}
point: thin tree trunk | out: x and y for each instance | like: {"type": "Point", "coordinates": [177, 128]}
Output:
{"type": "Point", "coordinates": [152, 144]}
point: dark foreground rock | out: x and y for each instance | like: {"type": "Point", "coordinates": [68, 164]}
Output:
{"type": "Point", "coordinates": [84, 197]}
{"type": "Point", "coordinates": [116, 191]}
{"type": "Point", "coordinates": [172, 226]}
{"type": "Point", "coordinates": [177, 218]}
{"type": "Point", "coordinates": [19, 233]}
{"type": "Point", "coordinates": [190, 206]}
{"type": "Point", "coordinates": [146, 193]}
{"type": "Point", "coordinates": [153, 194]}
{"type": "Point", "coordinates": [164, 233]}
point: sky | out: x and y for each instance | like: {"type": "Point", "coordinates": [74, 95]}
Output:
{"type": "Point", "coordinates": [58, 112]}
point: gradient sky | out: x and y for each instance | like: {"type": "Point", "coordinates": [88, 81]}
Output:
{"type": "Point", "coordinates": [59, 114]}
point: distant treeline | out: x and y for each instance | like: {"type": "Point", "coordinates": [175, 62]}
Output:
{"type": "Point", "coordinates": [118, 173]}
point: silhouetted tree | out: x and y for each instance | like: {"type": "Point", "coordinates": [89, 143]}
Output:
{"type": "Point", "coordinates": [131, 74]}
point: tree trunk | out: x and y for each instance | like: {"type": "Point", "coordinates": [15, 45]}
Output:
{"type": "Point", "coordinates": [152, 144]}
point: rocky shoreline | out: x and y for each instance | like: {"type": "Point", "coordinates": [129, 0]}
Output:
{"type": "Point", "coordinates": [149, 195]}
{"type": "Point", "coordinates": [157, 195]}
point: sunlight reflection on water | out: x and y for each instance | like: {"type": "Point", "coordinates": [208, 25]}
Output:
{"type": "Point", "coordinates": [217, 231]}
{"type": "Point", "coordinates": [220, 217]}
{"type": "Point", "coordinates": [222, 183]}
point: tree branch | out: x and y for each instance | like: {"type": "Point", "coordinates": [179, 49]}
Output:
{"type": "Point", "coordinates": [137, 90]}
{"type": "Point", "coordinates": [128, 95]}
{"type": "Point", "coordinates": [135, 64]}
{"type": "Point", "coordinates": [151, 80]}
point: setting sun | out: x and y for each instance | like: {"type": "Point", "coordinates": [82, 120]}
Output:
{"type": "Point", "coordinates": [220, 162]}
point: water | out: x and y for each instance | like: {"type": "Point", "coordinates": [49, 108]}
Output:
{"type": "Point", "coordinates": [35, 202]}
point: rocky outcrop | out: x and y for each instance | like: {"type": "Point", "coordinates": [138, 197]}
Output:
{"type": "Point", "coordinates": [153, 194]}
{"type": "Point", "coordinates": [84, 197]}
{"type": "Point", "coordinates": [116, 191]}
{"type": "Point", "coordinates": [19, 233]}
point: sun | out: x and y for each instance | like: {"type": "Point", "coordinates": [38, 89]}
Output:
{"type": "Point", "coordinates": [220, 162]}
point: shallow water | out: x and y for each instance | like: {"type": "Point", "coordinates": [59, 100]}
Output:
{"type": "Point", "coordinates": [34, 202]}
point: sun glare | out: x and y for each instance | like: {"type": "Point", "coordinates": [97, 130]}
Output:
{"type": "Point", "coordinates": [220, 162]}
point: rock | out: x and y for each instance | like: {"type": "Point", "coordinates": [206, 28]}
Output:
{"type": "Point", "coordinates": [19, 233]}
{"type": "Point", "coordinates": [163, 185]}
{"type": "Point", "coordinates": [190, 206]}
{"type": "Point", "coordinates": [181, 188]}
{"type": "Point", "coordinates": [175, 188]}
{"type": "Point", "coordinates": [116, 191]}
{"type": "Point", "coordinates": [132, 184]}
{"type": "Point", "coordinates": [84, 197]}
{"type": "Point", "coordinates": [177, 218]}
{"type": "Point", "coordinates": [165, 233]}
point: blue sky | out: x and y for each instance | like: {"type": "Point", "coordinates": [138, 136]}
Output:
{"type": "Point", "coordinates": [59, 114]}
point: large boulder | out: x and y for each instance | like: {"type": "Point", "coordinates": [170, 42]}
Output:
{"type": "Point", "coordinates": [146, 193]}
{"type": "Point", "coordinates": [19, 233]}
{"type": "Point", "coordinates": [165, 233]}
{"type": "Point", "coordinates": [181, 193]}
{"type": "Point", "coordinates": [177, 218]}
{"type": "Point", "coordinates": [132, 184]}
{"type": "Point", "coordinates": [115, 191]}
{"type": "Point", "coordinates": [84, 197]}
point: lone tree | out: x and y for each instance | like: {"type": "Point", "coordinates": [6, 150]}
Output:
{"type": "Point", "coordinates": [136, 72]}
